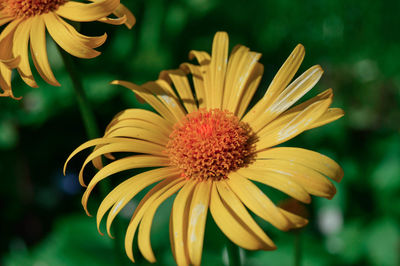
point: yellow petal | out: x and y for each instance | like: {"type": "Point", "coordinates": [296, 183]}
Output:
{"type": "Point", "coordinates": [143, 206]}
{"type": "Point", "coordinates": [278, 84]}
{"type": "Point", "coordinates": [218, 64]}
{"type": "Point", "coordinates": [197, 220]}
{"type": "Point", "coordinates": [138, 133]}
{"type": "Point", "coordinates": [69, 39]}
{"type": "Point", "coordinates": [198, 82]}
{"type": "Point", "coordinates": [145, 225]}
{"type": "Point", "coordinates": [5, 82]}
{"type": "Point", "coordinates": [124, 192]}
{"type": "Point", "coordinates": [288, 97]}
{"type": "Point", "coordinates": [113, 21]}
{"type": "Point", "coordinates": [83, 12]}
{"type": "Point", "coordinates": [39, 52]}
{"type": "Point", "coordinates": [136, 123]}
{"type": "Point", "coordinates": [329, 116]}
{"type": "Point", "coordinates": [307, 158]}
{"type": "Point", "coordinates": [250, 88]}
{"type": "Point", "coordinates": [278, 181]}
{"type": "Point", "coordinates": [233, 219]}
{"type": "Point", "coordinates": [287, 127]}
{"type": "Point", "coordinates": [5, 20]}
{"type": "Point", "coordinates": [257, 201]}
{"type": "Point", "coordinates": [179, 222]}
{"type": "Point", "coordinates": [122, 11]}
{"type": "Point", "coordinates": [202, 57]}
{"type": "Point", "coordinates": [20, 48]}
{"type": "Point", "coordinates": [127, 163]}
{"type": "Point", "coordinates": [241, 65]}
{"type": "Point", "coordinates": [182, 86]}
{"type": "Point", "coordinates": [149, 98]}
{"type": "Point", "coordinates": [296, 220]}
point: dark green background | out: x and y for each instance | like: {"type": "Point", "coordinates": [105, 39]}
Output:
{"type": "Point", "coordinates": [355, 42]}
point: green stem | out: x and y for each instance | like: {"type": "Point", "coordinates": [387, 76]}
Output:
{"type": "Point", "coordinates": [297, 248]}
{"type": "Point", "coordinates": [233, 254]}
{"type": "Point", "coordinates": [92, 132]}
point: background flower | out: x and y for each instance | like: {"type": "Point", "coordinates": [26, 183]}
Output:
{"type": "Point", "coordinates": [28, 20]}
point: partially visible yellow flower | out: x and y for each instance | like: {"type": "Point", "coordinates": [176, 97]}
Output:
{"type": "Point", "coordinates": [28, 20]}
{"type": "Point", "coordinates": [208, 150]}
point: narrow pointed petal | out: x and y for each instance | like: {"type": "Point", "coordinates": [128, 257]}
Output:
{"type": "Point", "coordinates": [197, 220]}
{"type": "Point", "coordinates": [296, 220]}
{"type": "Point", "coordinates": [233, 225]}
{"type": "Point", "coordinates": [332, 114]}
{"type": "Point", "coordinates": [307, 158]}
{"type": "Point", "coordinates": [68, 39]}
{"type": "Point", "coordinates": [257, 201]}
{"type": "Point", "coordinates": [5, 20]}
{"type": "Point", "coordinates": [20, 48]}
{"type": "Point", "coordinates": [39, 51]}
{"type": "Point", "coordinates": [138, 133]}
{"type": "Point", "coordinates": [202, 57]}
{"type": "Point", "coordinates": [179, 223]}
{"type": "Point", "coordinates": [278, 84]}
{"type": "Point", "coordinates": [278, 181]}
{"type": "Point", "coordinates": [122, 11]}
{"type": "Point", "coordinates": [198, 81]}
{"type": "Point", "coordinates": [133, 124]}
{"type": "Point", "coordinates": [145, 225]}
{"type": "Point", "coordinates": [84, 12]}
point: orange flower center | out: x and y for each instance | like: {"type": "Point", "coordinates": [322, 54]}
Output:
{"type": "Point", "coordinates": [209, 144]}
{"type": "Point", "coordinates": [28, 8]}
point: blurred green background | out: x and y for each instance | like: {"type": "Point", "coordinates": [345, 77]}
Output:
{"type": "Point", "coordinates": [357, 43]}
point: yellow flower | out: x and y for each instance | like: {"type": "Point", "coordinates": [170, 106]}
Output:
{"type": "Point", "coordinates": [28, 20]}
{"type": "Point", "coordinates": [208, 150]}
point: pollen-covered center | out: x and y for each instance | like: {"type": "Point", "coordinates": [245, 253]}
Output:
{"type": "Point", "coordinates": [209, 144]}
{"type": "Point", "coordinates": [28, 8]}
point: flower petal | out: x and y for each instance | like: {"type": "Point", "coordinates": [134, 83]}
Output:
{"type": "Point", "coordinates": [289, 126]}
{"type": "Point", "coordinates": [217, 70]}
{"type": "Point", "coordinates": [39, 51]}
{"type": "Point", "coordinates": [198, 81]}
{"type": "Point", "coordinates": [197, 220]}
{"type": "Point", "coordinates": [233, 219]}
{"type": "Point", "coordinates": [250, 88]}
{"type": "Point", "coordinates": [138, 133]}
{"type": "Point", "coordinates": [179, 222]}
{"type": "Point", "coordinates": [69, 39]}
{"type": "Point", "coordinates": [307, 158]}
{"type": "Point", "coordinates": [84, 12]}
{"type": "Point", "coordinates": [329, 116]}
{"type": "Point", "coordinates": [127, 163]}
{"type": "Point", "coordinates": [122, 11]}
{"type": "Point", "coordinates": [4, 20]}
{"type": "Point", "coordinates": [20, 48]}
{"type": "Point", "coordinates": [145, 225]}
{"type": "Point", "coordinates": [257, 201]}
{"type": "Point", "coordinates": [280, 81]}
{"type": "Point", "coordinates": [240, 66]}
{"type": "Point", "coordinates": [295, 219]}
{"type": "Point", "coordinates": [182, 86]}
{"type": "Point", "coordinates": [277, 181]}
{"type": "Point", "coordinates": [149, 98]}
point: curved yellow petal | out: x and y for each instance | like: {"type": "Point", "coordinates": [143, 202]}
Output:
{"type": "Point", "coordinates": [84, 12]}
{"type": "Point", "coordinates": [278, 84]}
{"type": "Point", "coordinates": [312, 181]}
{"type": "Point", "coordinates": [39, 51]}
{"type": "Point", "coordinates": [233, 219]}
{"type": "Point", "coordinates": [141, 209]}
{"type": "Point", "coordinates": [296, 220]}
{"type": "Point", "coordinates": [198, 81]}
{"type": "Point", "coordinates": [139, 133]}
{"type": "Point", "coordinates": [5, 82]}
{"type": "Point", "coordinates": [113, 21]}
{"type": "Point", "coordinates": [307, 158]}
{"type": "Point", "coordinates": [145, 225]}
{"type": "Point", "coordinates": [20, 48]}
{"type": "Point", "coordinates": [197, 220]}
{"type": "Point", "coordinates": [69, 39]}
{"type": "Point", "coordinates": [202, 57]}
{"type": "Point", "coordinates": [182, 86]}
{"type": "Point", "coordinates": [250, 88]}
{"type": "Point", "coordinates": [332, 114]}
{"type": "Point", "coordinates": [257, 201]}
{"type": "Point", "coordinates": [217, 70]}
{"type": "Point", "coordinates": [131, 162]}
{"type": "Point", "coordinates": [277, 181]}
{"type": "Point", "coordinates": [4, 20]}
{"type": "Point", "coordinates": [149, 98]}
{"type": "Point", "coordinates": [240, 67]}
{"type": "Point", "coordinates": [179, 223]}
{"type": "Point", "coordinates": [124, 192]}
{"type": "Point", "coordinates": [288, 127]}
{"type": "Point", "coordinates": [133, 124]}
{"type": "Point", "coordinates": [122, 11]}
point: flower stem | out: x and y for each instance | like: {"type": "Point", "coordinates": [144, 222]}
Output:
{"type": "Point", "coordinates": [233, 254]}
{"type": "Point", "coordinates": [297, 248]}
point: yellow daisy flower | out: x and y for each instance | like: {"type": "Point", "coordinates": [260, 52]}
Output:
{"type": "Point", "coordinates": [28, 20]}
{"type": "Point", "coordinates": [208, 150]}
